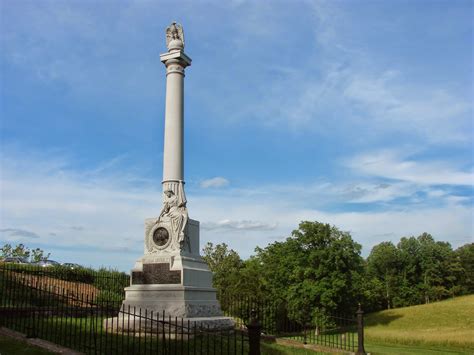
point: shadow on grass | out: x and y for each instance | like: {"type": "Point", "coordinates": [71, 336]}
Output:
{"type": "Point", "coordinates": [10, 345]}
{"type": "Point", "coordinates": [380, 319]}
{"type": "Point", "coordinates": [270, 347]}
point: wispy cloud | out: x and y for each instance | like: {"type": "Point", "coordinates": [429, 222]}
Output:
{"type": "Point", "coordinates": [376, 192]}
{"type": "Point", "coordinates": [15, 234]}
{"type": "Point", "coordinates": [217, 181]}
{"type": "Point", "coordinates": [398, 165]}
{"type": "Point", "coordinates": [397, 105]}
{"type": "Point", "coordinates": [227, 224]}
{"type": "Point", "coordinates": [51, 201]}
{"type": "Point", "coordinates": [323, 79]}
{"type": "Point", "coordinates": [340, 89]}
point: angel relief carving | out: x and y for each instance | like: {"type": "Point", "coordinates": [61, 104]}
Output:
{"type": "Point", "coordinates": [174, 36]}
{"type": "Point", "coordinates": [174, 210]}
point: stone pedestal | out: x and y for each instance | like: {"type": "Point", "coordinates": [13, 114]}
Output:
{"type": "Point", "coordinates": [174, 282]}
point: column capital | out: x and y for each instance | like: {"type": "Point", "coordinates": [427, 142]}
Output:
{"type": "Point", "coordinates": [176, 56]}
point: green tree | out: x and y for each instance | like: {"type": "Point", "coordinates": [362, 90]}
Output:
{"type": "Point", "coordinates": [225, 264]}
{"type": "Point", "coordinates": [6, 251]}
{"type": "Point", "coordinates": [21, 251]}
{"type": "Point", "coordinates": [465, 256]}
{"type": "Point", "coordinates": [251, 283]}
{"type": "Point", "coordinates": [439, 269]}
{"type": "Point", "coordinates": [38, 255]}
{"type": "Point", "coordinates": [318, 266]}
{"type": "Point", "coordinates": [417, 270]}
{"type": "Point", "coordinates": [410, 269]}
{"type": "Point", "coordinates": [384, 264]}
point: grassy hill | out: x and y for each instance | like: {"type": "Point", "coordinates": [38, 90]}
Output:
{"type": "Point", "coordinates": [442, 325]}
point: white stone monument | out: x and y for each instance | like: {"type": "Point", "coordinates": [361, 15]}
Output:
{"type": "Point", "coordinates": [171, 276]}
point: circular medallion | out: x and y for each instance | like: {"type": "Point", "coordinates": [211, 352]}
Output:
{"type": "Point", "coordinates": [161, 236]}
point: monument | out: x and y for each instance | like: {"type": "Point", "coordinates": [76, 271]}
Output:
{"type": "Point", "coordinates": [171, 276]}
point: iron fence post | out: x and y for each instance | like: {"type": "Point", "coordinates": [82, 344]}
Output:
{"type": "Point", "coordinates": [254, 329]}
{"type": "Point", "coordinates": [360, 331]}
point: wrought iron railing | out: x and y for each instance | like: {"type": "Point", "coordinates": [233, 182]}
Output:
{"type": "Point", "coordinates": [40, 307]}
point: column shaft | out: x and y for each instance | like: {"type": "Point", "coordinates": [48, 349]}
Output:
{"type": "Point", "coordinates": [173, 153]}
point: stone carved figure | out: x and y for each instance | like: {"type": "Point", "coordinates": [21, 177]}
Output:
{"type": "Point", "coordinates": [175, 36]}
{"type": "Point", "coordinates": [175, 209]}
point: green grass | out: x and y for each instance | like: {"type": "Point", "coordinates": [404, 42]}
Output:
{"type": "Point", "coordinates": [422, 349]}
{"type": "Point", "coordinates": [442, 326]}
{"type": "Point", "coordinates": [10, 346]}
{"type": "Point", "coordinates": [87, 335]}
{"type": "Point", "coordinates": [277, 349]}
{"type": "Point", "coordinates": [445, 327]}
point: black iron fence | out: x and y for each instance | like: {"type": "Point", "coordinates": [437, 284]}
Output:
{"type": "Point", "coordinates": [80, 309]}
{"type": "Point", "coordinates": [41, 306]}
{"type": "Point", "coordinates": [326, 329]}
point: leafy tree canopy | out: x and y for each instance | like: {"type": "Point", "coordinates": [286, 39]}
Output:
{"type": "Point", "coordinates": [23, 252]}
{"type": "Point", "coordinates": [318, 265]}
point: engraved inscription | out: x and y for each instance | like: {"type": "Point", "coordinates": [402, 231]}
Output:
{"type": "Point", "coordinates": [158, 273]}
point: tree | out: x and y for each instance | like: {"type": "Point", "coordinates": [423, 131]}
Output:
{"type": "Point", "coordinates": [465, 256]}
{"type": "Point", "coordinates": [438, 268]}
{"type": "Point", "coordinates": [21, 251]}
{"type": "Point", "coordinates": [318, 266]}
{"type": "Point", "coordinates": [410, 269]}
{"type": "Point", "coordinates": [384, 264]}
{"type": "Point", "coordinates": [417, 270]}
{"type": "Point", "coordinates": [6, 251]}
{"type": "Point", "coordinates": [251, 283]}
{"type": "Point", "coordinates": [225, 264]}
{"type": "Point", "coordinates": [39, 255]}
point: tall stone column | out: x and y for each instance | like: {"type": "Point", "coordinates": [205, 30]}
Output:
{"type": "Point", "coordinates": [171, 276]}
{"type": "Point", "coordinates": [173, 154]}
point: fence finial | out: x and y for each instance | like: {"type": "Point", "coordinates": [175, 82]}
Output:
{"type": "Point", "coordinates": [254, 329]}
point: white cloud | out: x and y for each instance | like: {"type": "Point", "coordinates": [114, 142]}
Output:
{"type": "Point", "coordinates": [452, 224]}
{"type": "Point", "coordinates": [448, 223]}
{"type": "Point", "coordinates": [398, 165]}
{"type": "Point", "coordinates": [377, 192]}
{"type": "Point", "coordinates": [14, 234]}
{"type": "Point", "coordinates": [339, 88]}
{"type": "Point", "coordinates": [392, 104]}
{"type": "Point", "coordinates": [76, 215]}
{"type": "Point", "coordinates": [227, 224]}
{"type": "Point", "coordinates": [320, 93]}
{"type": "Point", "coordinates": [217, 181]}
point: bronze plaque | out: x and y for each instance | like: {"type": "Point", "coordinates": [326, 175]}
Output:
{"type": "Point", "coordinates": [158, 273]}
{"type": "Point", "coordinates": [161, 236]}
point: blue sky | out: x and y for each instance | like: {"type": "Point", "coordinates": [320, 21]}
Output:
{"type": "Point", "coordinates": [354, 113]}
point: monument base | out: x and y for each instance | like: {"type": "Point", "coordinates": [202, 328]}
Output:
{"type": "Point", "coordinates": [169, 327]}
{"type": "Point", "coordinates": [170, 285]}
{"type": "Point", "coordinates": [171, 300]}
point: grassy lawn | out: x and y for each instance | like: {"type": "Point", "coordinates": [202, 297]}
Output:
{"type": "Point", "coordinates": [87, 335]}
{"type": "Point", "coordinates": [277, 349]}
{"type": "Point", "coordinates": [391, 348]}
{"type": "Point", "coordinates": [10, 346]}
{"type": "Point", "coordinates": [443, 327]}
